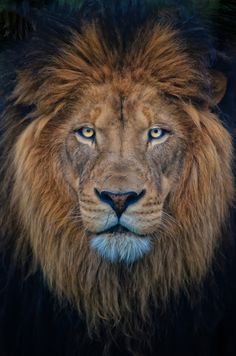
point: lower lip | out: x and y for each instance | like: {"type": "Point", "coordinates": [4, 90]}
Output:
{"type": "Point", "coordinates": [118, 229]}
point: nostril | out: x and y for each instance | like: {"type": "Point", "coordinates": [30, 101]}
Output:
{"type": "Point", "coordinates": [134, 197]}
{"type": "Point", "coordinates": [119, 201]}
{"type": "Point", "coordinates": [104, 196]}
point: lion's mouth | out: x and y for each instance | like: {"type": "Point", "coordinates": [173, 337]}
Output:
{"type": "Point", "coordinates": [119, 229]}
{"type": "Point", "coordinates": [119, 244]}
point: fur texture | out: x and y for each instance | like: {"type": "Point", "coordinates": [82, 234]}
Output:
{"type": "Point", "coordinates": [157, 69]}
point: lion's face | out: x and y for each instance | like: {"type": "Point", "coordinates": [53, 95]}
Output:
{"type": "Point", "coordinates": [122, 157]}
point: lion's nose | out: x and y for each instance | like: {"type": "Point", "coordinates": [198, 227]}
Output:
{"type": "Point", "coordinates": [119, 201]}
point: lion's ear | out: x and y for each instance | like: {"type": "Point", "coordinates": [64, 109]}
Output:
{"type": "Point", "coordinates": [219, 86]}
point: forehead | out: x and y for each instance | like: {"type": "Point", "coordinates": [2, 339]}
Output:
{"type": "Point", "coordinates": [124, 105]}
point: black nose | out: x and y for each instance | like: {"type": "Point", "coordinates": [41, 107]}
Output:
{"type": "Point", "coordinates": [119, 201]}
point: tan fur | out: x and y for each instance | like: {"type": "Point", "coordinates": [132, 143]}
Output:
{"type": "Point", "coordinates": [44, 200]}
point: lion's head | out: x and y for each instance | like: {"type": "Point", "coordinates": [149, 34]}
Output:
{"type": "Point", "coordinates": [119, 172]}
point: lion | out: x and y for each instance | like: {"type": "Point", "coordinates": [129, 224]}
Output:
{"type": "Point", "coordinates": [117, 186]}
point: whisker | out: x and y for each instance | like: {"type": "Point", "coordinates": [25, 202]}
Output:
{"type": "Point", "coordinates": [108, 216]}
{"type": "Point", "coordinates": [168, 218]}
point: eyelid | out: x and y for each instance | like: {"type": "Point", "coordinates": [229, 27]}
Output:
{"type": "Point", "coordinates": [82, 128]}
{"type": "Point", "coordinates": [161, 126]}
{"type": "Point", "coordinates": [83, 125]}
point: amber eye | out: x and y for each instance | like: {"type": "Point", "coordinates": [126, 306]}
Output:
{"type": "Point", "coordinates": [156, 133]}
{"type": "Point", "coordinates": [86, 132]}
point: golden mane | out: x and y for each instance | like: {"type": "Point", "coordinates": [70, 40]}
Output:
{"type": "Point", "coordinates": [157, 56]}
{"type": "Point", "coordinates": [37, 213]}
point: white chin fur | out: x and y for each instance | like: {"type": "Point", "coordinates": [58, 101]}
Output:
{"type": "Point", "coordinates": [121, 247]}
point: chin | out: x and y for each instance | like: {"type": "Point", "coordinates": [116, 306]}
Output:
{"type": "Point", "coordinates": [121, 247]}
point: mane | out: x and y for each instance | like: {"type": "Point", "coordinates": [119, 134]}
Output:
{"type": "Point", "coordinates": [173, 53]}
{"type": "Point", "coordinates": [100, 38]}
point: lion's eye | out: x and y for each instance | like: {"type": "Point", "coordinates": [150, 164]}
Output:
{"type": "Point", "coordinates": [86, 132]}
{"type": "Point", "coordinates": [156, 133]}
